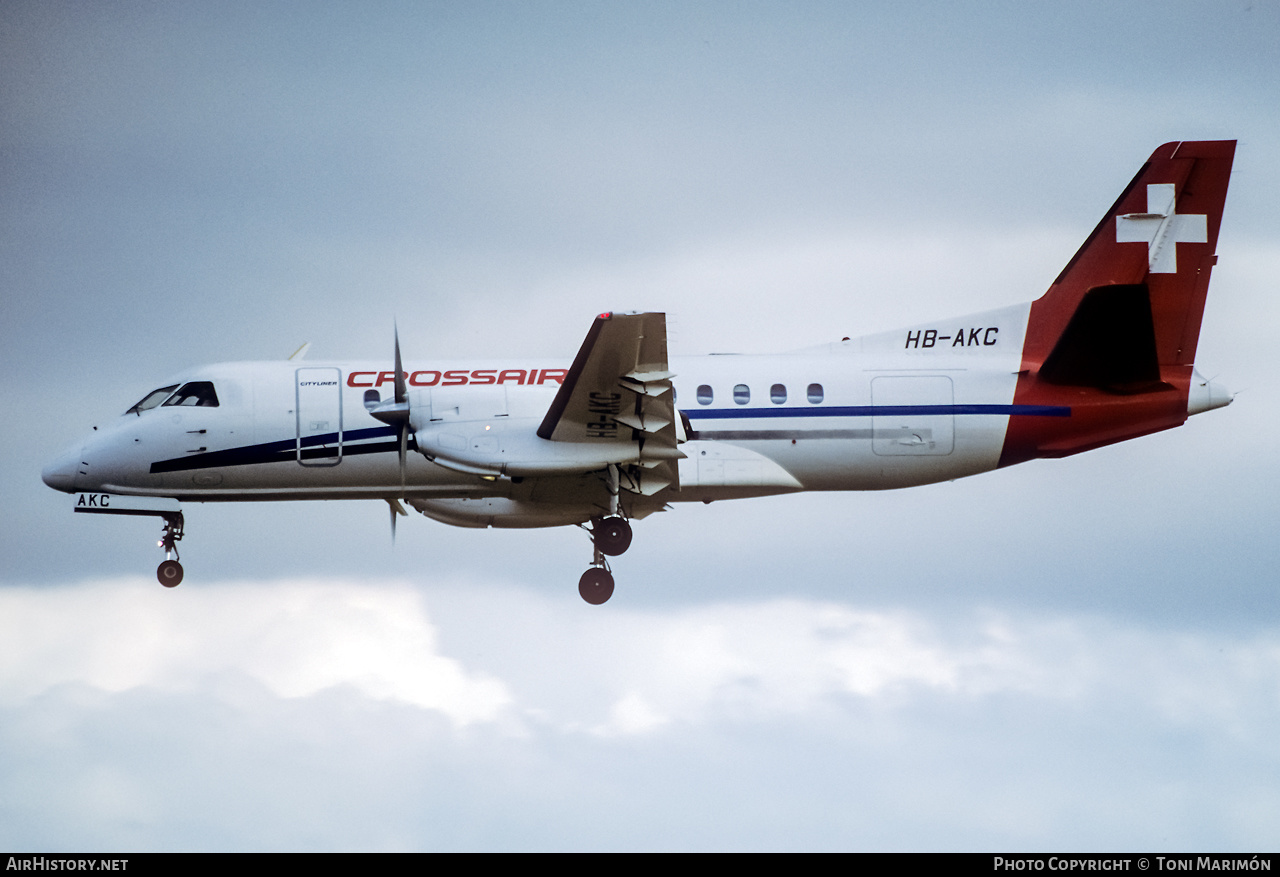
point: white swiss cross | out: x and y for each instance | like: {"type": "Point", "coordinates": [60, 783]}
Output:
{"type": "Point", "coordinates": [1161, 229]}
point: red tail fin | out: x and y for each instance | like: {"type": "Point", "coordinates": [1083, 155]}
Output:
{"type": "Point", "coordinates": [1115, 335]}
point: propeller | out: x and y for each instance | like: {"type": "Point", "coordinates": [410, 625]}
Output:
{"type": "Point", "coordinates": [396, 413]}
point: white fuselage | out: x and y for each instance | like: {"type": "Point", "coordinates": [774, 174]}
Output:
{"type": "Point", "coordinates": [891, 410]}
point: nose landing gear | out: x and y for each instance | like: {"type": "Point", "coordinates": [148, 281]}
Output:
{"type": "Point", "coordinates": [170, 571]}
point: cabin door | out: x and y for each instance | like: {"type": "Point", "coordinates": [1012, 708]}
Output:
{"type": "Point", "coordinates": [319, 412]}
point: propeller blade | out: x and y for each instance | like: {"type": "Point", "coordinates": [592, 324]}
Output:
{"type": "Point", "coordinates": [396, 511]}
{"type": "Point", "coordinates": [404, 445]}
{"type": "Point", "coordinates": [402, 392]}
{"type": "Point", "coordinates": [402, 397]}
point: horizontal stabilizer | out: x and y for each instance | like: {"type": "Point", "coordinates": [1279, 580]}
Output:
{"type": "Point", "coordinates": [1109, 343]}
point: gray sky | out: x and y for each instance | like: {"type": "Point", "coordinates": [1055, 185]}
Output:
{"type": "Point", "coordinates": [1069, 654]}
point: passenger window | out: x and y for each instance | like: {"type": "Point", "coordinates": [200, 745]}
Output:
{"type": "Point", "coordinates": [705, 396]}
{"type": "Point", "coordinates": [778, 394]}
{"type": "Point", "coordinates": [152, 399]}
{"type": "Point", "coordinates": [815, 393]}
{"type": "Point", "coordinates": [741, 394]}
{"type": "Point", "coordinates": [194, 394]}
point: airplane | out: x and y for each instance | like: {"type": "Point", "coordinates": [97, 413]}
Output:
{"type": "Point", "coordinates": [623, 430]}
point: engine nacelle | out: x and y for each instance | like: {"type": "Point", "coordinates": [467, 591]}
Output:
{"type": "Point", "coordinates": [502, 512]}
{"type": "Point", "coordinates": [512, 447]}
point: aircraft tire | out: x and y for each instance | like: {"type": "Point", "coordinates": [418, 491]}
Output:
{"type": "Point", "coordinates": [169, 573]}
{"type": "Point", "coordinates": [612, 535]}
{"type": "Point", "coordinates": [596, 585]}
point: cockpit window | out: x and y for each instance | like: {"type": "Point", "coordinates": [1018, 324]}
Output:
{"type": "Point", "coordinates": [152, 399]}
{"type": "Point", "coordinates": [195, 394]}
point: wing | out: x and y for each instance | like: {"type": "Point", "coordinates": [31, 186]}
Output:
{"type": "Point", "coordinates": [614, 411]}
{"type": "Point", "coordinates": [618, 392]}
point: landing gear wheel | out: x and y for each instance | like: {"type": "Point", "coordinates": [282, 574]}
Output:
{"type": "Point", "coordinates": [170, 573]}
{"type": "Point", "coordinates": [612, 535]}
{"type": "Point", "coordinates": [596, 585]}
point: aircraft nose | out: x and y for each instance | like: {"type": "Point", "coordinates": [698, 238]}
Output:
{"type": "Point", "coordinates": [61, 473]}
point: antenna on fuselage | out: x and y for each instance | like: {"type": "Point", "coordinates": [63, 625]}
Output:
{"type": "Point", "coordinates": [301, 352]}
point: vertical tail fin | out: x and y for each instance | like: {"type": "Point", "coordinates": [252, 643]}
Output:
{"type": "Point", "coordinates": [1122, 320]}
{"type": "Point", "coordinates": [1162, 231]}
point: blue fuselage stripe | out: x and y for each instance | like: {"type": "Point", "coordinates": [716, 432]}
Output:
{"type": "Point", "coordinates": [326, 444]}
{"type": "Point", "coordinates": [318, 446]}
{"type": "Point", "coordinates": [877, 411]}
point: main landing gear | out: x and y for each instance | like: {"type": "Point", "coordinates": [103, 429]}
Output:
{"type": "Point", "coordinates": [610, 536]}
{"type": "Point", "coordinates": [170, 572]}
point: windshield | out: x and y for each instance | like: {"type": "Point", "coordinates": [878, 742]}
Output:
{"type": "Point", "coordinates": [152, 399]}
{"type": "Point", "coordinates": [199, 393]}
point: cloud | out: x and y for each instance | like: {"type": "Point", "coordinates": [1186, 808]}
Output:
{"type": "Point", "coordinates": [294, 638]}
{"type": "Point", "coordinates": [334, 714]}
{"type": "Point", "coordinates": [696, 665]}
